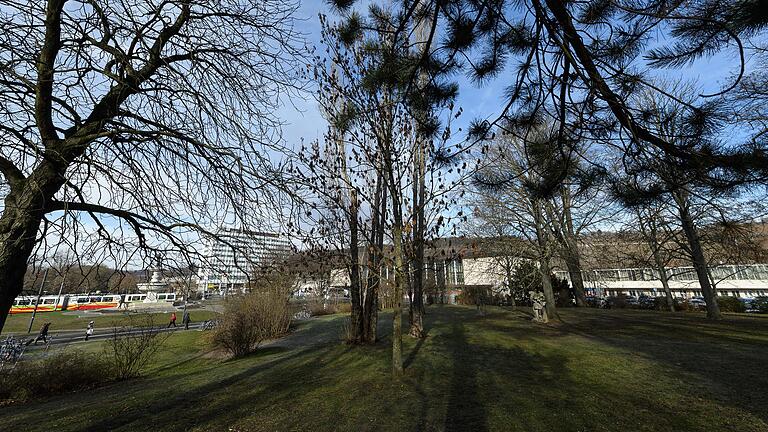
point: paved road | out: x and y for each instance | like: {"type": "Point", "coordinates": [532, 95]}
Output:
{"type": "Point", "coordinates": [77, 336]}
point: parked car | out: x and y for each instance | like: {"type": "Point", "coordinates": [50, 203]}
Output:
{"type": "Point", "coordinates": [757, 305]}
{"type": "Point", "coordinates": [597, 302]}
{"type": "Point", "coordinates": [646, 302]}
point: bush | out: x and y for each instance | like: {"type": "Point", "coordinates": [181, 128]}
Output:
{"type": "Point", "coordinates": [250, 319]}
{"type": "Point", "coordinates": [618, 302]}
{"type": "Point", "coordinates": [129, 352]}
{"type": "Point", "coordinates": [730, 304]}
{"type": "Point", "coordinates": [59, 372]}
{"type": "Point", "coordinates": [318, 308]}
{"type": "Point", "coordinates": [346, 331]}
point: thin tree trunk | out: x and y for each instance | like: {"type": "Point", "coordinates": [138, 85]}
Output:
{"type": "Point", "coordinates": [419, 202]}
{"type": "Point", "coordinates": [573, 258]}
{"type": "Point", "coordinates": [697, 255]}
{"type": "Point", "coordinates": [417, 299]}
{"type": "Point", "coordinates": [544, 268]}
{"type": "Point", "coordinates": [546, 283]}
{"type": "Point", "coordinates": [508, 271]}
{"type": "Point", "coordinates": [356, 309]}
{"type": "Point", "coordinates": [370, 308]}
{"type": "Point", "coordinates": [397, 318]}
{"type": "Point", "coordinates": [573, 264]}
{"type": "Point", "coordinates": [357, 322]}
{"type": "Point", "coordinates": [664, 278]}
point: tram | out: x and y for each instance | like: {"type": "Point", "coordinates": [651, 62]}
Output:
{"type": "Point", "coordinates": [73, 302]}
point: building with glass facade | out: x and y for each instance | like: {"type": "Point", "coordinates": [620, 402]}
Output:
{"type": "Point", "coordinates": [232, 257]}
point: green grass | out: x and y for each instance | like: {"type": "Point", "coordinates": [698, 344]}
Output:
{"type": "Point", "coordinates": [19, 323]}
{"type": "Point", "coordinates": [593, 370]}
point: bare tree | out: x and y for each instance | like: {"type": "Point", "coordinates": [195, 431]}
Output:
{"type": "Point", "coordinates": [150, 120]}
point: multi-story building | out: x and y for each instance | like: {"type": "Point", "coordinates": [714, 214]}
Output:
{"type": "Point", "coordinates": [233, 255]}
{"type": "Point", "coordinates": [748, 281]}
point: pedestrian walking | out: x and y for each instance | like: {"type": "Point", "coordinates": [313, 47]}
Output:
{"type": "Point", "coordinates": [89, 330]}
{"type": "Point", "coordinates": [185, 320]}
{"type": "Point", "coordinates": [43, 333]}
{"type": "Point", "coordinates": [173, 320]}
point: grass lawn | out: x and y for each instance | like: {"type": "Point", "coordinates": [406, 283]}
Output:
{"type": "Point", "coordinates": [594, 370]}
{"type": "Point", "coordinates": [19, 323]}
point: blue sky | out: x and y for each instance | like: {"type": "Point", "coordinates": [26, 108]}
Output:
{"type": "Point", "coordinates": [303, 120]}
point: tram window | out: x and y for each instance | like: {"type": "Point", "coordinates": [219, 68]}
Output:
{"type": "Point", "coordinates": [48, 301]}
{"type": "Point", "coordinates": [95, 299]}
{"type": "Point", "coordinates": [24, 302]}
{"type": "Point", "coordinates": [82, 299]}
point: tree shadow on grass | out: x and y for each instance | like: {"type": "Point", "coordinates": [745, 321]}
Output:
{"type": "Point", "coordinates": [465, 410]}
{"type": "Point", "coordinates": [727, 358]}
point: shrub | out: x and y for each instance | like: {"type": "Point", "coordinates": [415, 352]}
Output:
{"type": "Point", "coordinates": [250, 319]}
{"type": "Point", "coordinates": [346, 330]}
{"type": "Point", "coordinates": [730, 304]}
{"type": "Point", "coordinates": [132, 346]}
{"type": "Point", "coordinates": [61, 371]}
{"type": "Point", "coordinates": [318, 308]}
{"type": "Point", "coordinates": [618, 302]}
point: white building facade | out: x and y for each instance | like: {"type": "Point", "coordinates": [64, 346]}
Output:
{"type": "Point", "coordinates": [745, 281]}
{"type": "Point", "coordinates": [233, 255]}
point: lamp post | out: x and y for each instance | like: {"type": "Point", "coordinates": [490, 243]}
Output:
{"type": "Point", "coordinates": [39, 294]}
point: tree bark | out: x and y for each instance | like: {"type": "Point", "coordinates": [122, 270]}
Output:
{"type": "Point", "coordinates": [376, 245]}
{"type": "Point", "coordinates": [573, 261]}
{"type": "Point", "coordinates": [544, 268]}
{"type": "Point", "coordinates": [697, 254]}
{"type": "Point", "coordinates": [546, 283]}
{"type": "Point", "coordinates": [25, 206]}
{"type": "Point", "coordinates": [417, 298]}
{"type": "Point", "coordinates": [508, 271]}
{"type": "Point", "coordinates": [664, 278]}
{"type": "Point", "coordinates": [356, 319]}
{"type": "Point", "coordinates": [397, 317]}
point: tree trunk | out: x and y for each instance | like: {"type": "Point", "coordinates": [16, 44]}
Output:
{"type": "Point", "coordinates": [546, 283]}
{"type": "Point", "coordinates": [573, 263]}
{"type": "Point", "coordinates": [397, 317]}
{"type": "Point", "coordinates": [376, 245]}
{"type": "Point", "coordinates": [544, 268]}
{"type": "Point", "coordinates": [697, 255]}
{"type": "Point", "coordinates": [417, 296]}
{"type": "Point", "coordinates": [573, 259]}
{"type": "Point", "coordinates": [508, 271]}
{"type": "Point", "coordinates": [356, 319]}
{"type": "Point", "coordinates": [19, 225]}
{"type": "Point", "coordinates": [664, 278]}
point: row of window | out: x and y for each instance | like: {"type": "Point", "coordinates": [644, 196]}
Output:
{"type": "Point", "coordinates": [718, 273]}
{"type": "Point", "coordinates": [686, 293]}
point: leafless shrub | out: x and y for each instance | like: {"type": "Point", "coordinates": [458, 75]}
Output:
{"type": "Point", "coordinates": [347, 335]}
{"type": "Point", "coordinates": [59, 372]}
{"type": "Point", "coordinates": [132, 346]}
{"type": "Point", "coordinates": [250, 319]}
{"type": "Point", "coordinates": [319, 308]}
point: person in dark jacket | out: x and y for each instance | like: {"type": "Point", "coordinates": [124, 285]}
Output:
{"type": "Point", "coordinates": [43, 333]}
{"type": "Point", "coordinates": [185, 320]}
